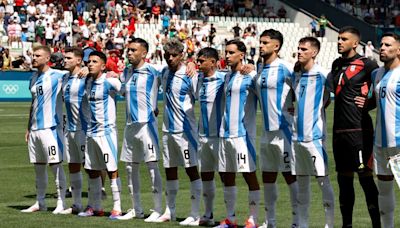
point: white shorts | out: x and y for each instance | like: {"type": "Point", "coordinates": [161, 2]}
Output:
{"type": "Point", "coordinates": [140, 143]}
{"type": "Point", "coordinates": [310, 158]}
{"type": "Point", "coordinates": [237, 155]}
{"type": "Point", "coordinates": [276, 151]}
{"type": "Point", "coordinates": [76, 144]}
{"type": "Point", "coordinates": [180, 149]}
{"type": "Point", "coordinates": [102, 153]}
{"type": "Point", "coordinates": [46, 146]}
{"type": "Point", "coordinates": [209, 147]}
{"type": "Point", "coordinates": [381, 159]}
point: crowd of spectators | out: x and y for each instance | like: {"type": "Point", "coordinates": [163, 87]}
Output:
{"type": "Point", "coordinates": [386, 13]}
{"type": "Point", "coordinates": [105, 25]}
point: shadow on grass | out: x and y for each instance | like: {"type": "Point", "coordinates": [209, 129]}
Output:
{"type": "Point", "coordinates": [21, 207]}
{"type": "Point", "coordinates": [54, 195]}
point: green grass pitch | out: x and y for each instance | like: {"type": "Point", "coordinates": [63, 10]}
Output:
{"type": "Point", "coordinates": [17, 186]}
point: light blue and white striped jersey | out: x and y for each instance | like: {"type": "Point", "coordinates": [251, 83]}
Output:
{"type": "Point", "coordinates": [211, 92]}
{"type": "Point", "coordinates": [76, 103]}
{"type": "Point", "coordinates": [309, 119]}
{"type": "Point", "coordinates": [179, 97]}
{"type": "Point", "coordinates": [140, 89]}
{"type": "Point", "coordinates": [240, 106]}
{"type": "Point", "coordinates": [46, 99]}
{"type": "Point", "coordinates": [387, 92]}
{"type": "Point", "coordinates": [101, 94]}
{"type": "Point", "coordinates": [273, 86]}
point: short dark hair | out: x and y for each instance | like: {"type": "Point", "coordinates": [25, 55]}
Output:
{"type": "Point", "coordinates": [43, 48]}
{"type": "Point", "coordinates": [140, 41]}
{"type": "Point", "coordinates": [239, 44]}
{"type": "Point", "coordinates": [392, 34]}
{"type": "Point", "coordinates": [208, 52]}
{"type": "Point", "coordinates": [314, 42]}
{"type": "Point", "coordinates": [77, 51]}
{"type": "Point", "coordinates": [99, 54]}
{"type": "Point", "coordinates": [274, 35]}
{"type": "Point", "coordinates": [351, 29]}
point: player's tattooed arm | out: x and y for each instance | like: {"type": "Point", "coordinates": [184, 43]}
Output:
{"type": "Point", "coordinates": [83, 72]}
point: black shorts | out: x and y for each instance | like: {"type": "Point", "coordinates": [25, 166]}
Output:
{"type": "Point", "coordinates": [347, 147]}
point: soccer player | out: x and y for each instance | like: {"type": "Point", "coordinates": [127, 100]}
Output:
{"type": "Point", "coordinates": [101, 150]}
{"type": "Point", "coordinates": [238, 132]}
{"type": "Point", "coordinates": [273, 90]}
{"type": "Point", "coordinates": [141, 132]}
{"type": "Point", "coordinates": [180, 132]}
{"type": "Point", "coordinates": [386, 81]}
{"type": "Point", "coordinates": [309, 154]}
{"type": "Point", "coordinates": [76, 105]}
{"type": "Point", "coordinates": [211, 89]}
{"type": "Point", "coordinates": [44, 133]}
{"type": "Point", "coordinates": [352, 126]}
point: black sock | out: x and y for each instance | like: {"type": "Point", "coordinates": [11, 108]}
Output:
{"type": "Point", "coordinates": [346, 199]}
{"type": "Point", "coordinates": [371, 197]}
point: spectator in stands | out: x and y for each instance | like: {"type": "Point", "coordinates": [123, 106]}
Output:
{"type": "Point", "coordinates": [49, 34]}
{"type": "Point", "coordinates": [193, 9]}
{"type": "Point", "coordinates": [102, 18]}
{"type": "Point", "coordinates": [185, 9]}
{"type": "Point", "coordinates": [22, 16]}
{"type": "Point", "coordinates": [205, 12]}
{"type": "Point", "coordinates": [369, 50]}
{"type": "Point", "coordinates": [31, 9]}
{"type": "Point", "coordinates": [165, 22]}
{"type": "Point", "coordinates": [323, 23]}
{"type": "Point", "coordinates": [156, 11]}
{"type": "Point", "coordinates": [281, 12]}
{"type": "Point", "coordinates": [213, 33]}
{"type": "Point", "coordinates": [236, 31]}
{"type": "Point", "coordinates": [6, 59]}
{"type": "Point", "coordinates": [313, 25]}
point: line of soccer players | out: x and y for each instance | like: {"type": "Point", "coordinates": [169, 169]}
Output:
{"type": "Point", "coordinates": [292, 99]}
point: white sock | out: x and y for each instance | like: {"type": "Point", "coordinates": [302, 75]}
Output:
{"type": "Point", "coordinates": [61, 185]}
{"type": "Point", "coordinates": [230, 201]}
{"type": "Point", "coordinates": [76, 187]}
{"type": "Point", "coordinates": [136, 187]}
{"type": "Point", "coordinates": [386, 199]}
{"type": "Point", "coordinates": [270, 197]}
{"type": "Point", "coordinates": [254, 202]}
{"type": "Point", "coordinates": [171, 191]}
{"type": "Point", "coordinates": [303, 199]}
{"type": "Point", "coordinates": [328, 200]}
{"type": "Point", "coordinates": [208, 197]}
{"type": "Point", "coordinates": [129, 179]}
{"type": "Point", "coordinates": [156, 185]}
{"type": "Point", "coordinates": [116, 193]}
{"type": "Point", "coordinates": [41, 182]}
{"type": "Point", "coordinates": [195, 192]}
{"type": "Point", "coordinates": [294, 189]}
{"type": "Point", "coordinates": [95, 193]}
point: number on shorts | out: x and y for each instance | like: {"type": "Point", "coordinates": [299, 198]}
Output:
{"type": "Point", "coordinates": [83, 148]}
{"type": "Point", "coordinates": [106, 158]}
{"type": "Point", "coordinates": [286, 157]}
{"type": "Point", "coordinates": [186, 154]}
{"type": "Point", "coordinates": [241, 156]}
{"type": "Point", "coordinates": [151, 148]}
{"type": "Point", "coordinates": [52, 150]}
{"type": "Point", "coordinates": [313, 159]}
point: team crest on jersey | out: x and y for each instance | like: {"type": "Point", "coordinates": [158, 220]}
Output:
{"type": "Point", "coordinates": [353, 68]}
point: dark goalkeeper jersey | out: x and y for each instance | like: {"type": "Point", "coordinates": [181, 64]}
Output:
{"type": "Point", "coordinates": [350, 78]}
